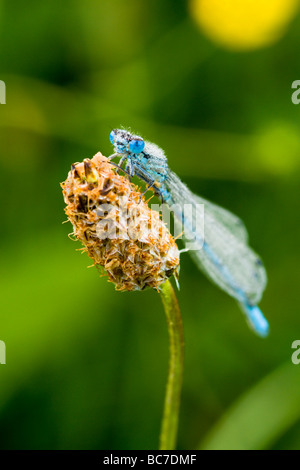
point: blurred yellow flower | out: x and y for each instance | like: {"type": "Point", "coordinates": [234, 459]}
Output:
{"type": "Point", "coordinates": [244, 24]}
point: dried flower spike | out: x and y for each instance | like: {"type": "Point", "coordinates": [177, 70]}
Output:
{"type": "Point", "coordinates": [117, 228]}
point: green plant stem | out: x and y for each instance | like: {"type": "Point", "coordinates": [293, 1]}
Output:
{"type": "Point", "coordinates": [168, 435]}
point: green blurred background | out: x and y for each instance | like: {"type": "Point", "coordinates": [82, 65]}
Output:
{"type": "Point", "coordinates": [86, 365]}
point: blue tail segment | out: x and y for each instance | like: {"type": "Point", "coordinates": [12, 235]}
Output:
{"type": "Point", "coordinates": [256, 319]}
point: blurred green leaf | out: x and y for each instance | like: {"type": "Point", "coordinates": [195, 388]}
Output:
{"type": "Point", "coordinates": [261, 415]}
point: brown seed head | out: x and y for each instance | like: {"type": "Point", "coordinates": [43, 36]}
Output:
{"type": "Point", "coordinates": [117, 228]}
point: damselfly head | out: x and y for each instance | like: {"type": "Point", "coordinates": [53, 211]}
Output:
{"type": "Point", "coordinates": [125, 142]}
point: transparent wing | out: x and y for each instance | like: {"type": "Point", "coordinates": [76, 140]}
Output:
{"type": "Point", "coordinates": [220, 246]}
{"type": "Point", "coordinates": [233, 223]}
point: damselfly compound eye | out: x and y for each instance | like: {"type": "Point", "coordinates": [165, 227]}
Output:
{"type": "Point", "coordinates": [112, 136]}
{"type": "Point", "coordinates": [136, 146]}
